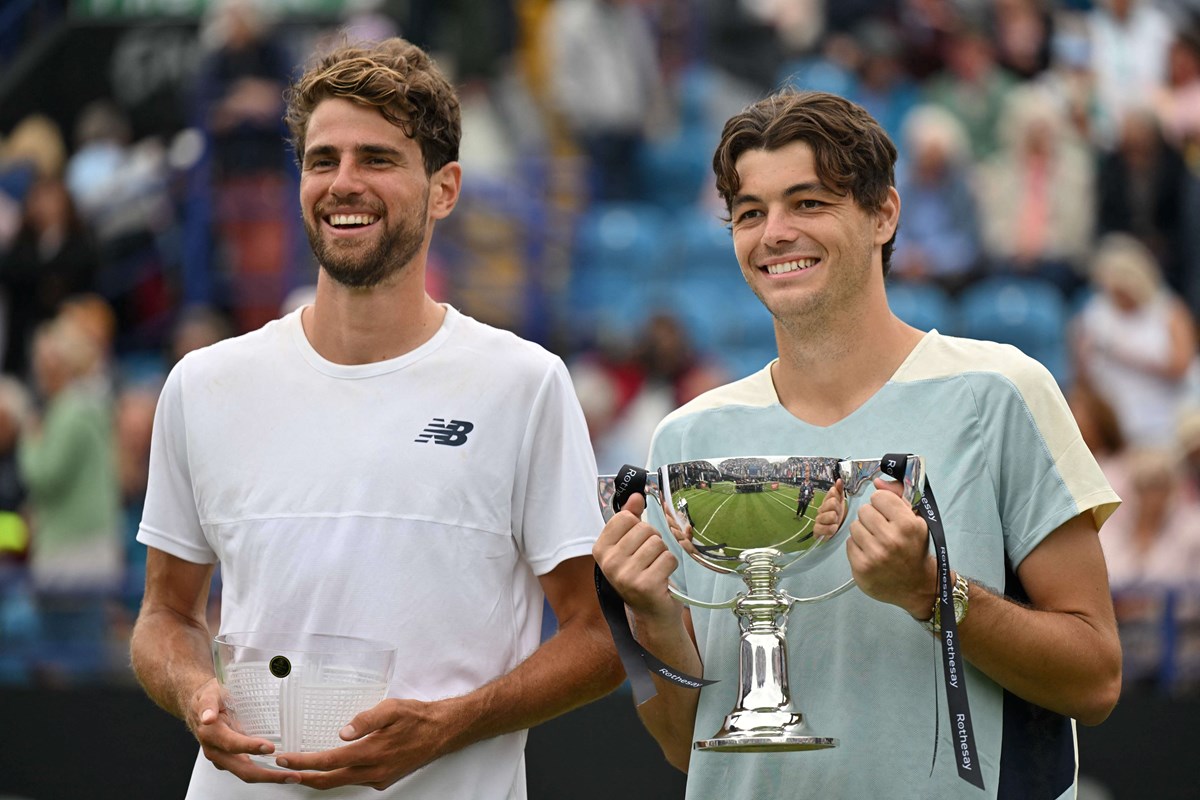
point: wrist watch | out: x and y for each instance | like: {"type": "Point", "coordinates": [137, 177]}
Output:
{"type": "Point", "coordinates": [961, 602]}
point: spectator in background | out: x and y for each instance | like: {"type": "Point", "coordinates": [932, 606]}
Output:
{"type": "Point", "coordinates": [1135, 342]}
{"type": "Point", "coordinates": [626, 394]}
{"type": "Point", "coordinates": [121, 189]}
{"type": "Point", "coordinates": [1068, 77]}
{"type": "Point", "coordinates": [67, 460]}
{"type": "Point", "coordinates": [33, 150]}
{"type": "Point", "coordinates": [1037, 194]}
{"type": "Point", "coordinates": [52, 258]}
{"type": "Point", "coordinates": [1154, 537]}
{"type": "Point", "coordinates": [1178, 107]}
{"type": "Point", "coordinates": [1130, 40]}
{"type": "Point", "coordinates": [1023, 34]}
{"type": "Point", "coordinates": [1151, 545]}
{"type": "Point", "coordinates": [1141, 186]}
{"type": "Point", "coordinates": [606, 85]}
{"type": "Point", "coordinates": [939, 240]}
{"type": "Point", "coordinates": [972, 86]}
{"type": "Point", "coordinates": [1178, 101]}
{"type": "Point", "coordinates": [883, 86]}
{"type": "Point", "coordinates": [248, 183]}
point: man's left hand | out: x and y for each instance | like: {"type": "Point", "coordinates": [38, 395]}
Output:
{"type": "Point", "coordinates": [888, 550]}
{"type": "Point", "coordinates": [387, 742]}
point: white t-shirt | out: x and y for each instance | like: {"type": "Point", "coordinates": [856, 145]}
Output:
{"type": "Point", "coordinates": [415, 500]}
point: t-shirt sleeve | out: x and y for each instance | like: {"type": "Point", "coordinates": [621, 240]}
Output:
{"type": "Point", "coordinates": [1045, 473]}
{"type": "Point", "coordinates": [170, 521]}
{"type": "Point", "coordinates": [556, 507]}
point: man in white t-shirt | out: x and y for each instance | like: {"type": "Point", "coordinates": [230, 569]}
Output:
{"type": "Point", "coordinates": [378, 465]}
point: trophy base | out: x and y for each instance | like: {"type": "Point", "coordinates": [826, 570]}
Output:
{"type": "Point", "coordinates": [765, 743]}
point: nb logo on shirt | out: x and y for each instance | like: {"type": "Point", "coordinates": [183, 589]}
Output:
{"type": "Point", "coordinates": [452, 433]}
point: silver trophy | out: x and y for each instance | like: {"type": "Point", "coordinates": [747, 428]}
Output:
{"type": "Point", "coordinates": [756, 516]}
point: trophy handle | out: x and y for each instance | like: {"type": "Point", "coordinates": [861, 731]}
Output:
{"type": "Point", "coordinates": [856, 474]}
{"type": "Point", "coordinates": [845, 587]}
{"type": "Point", "coordinates": [691, 601]}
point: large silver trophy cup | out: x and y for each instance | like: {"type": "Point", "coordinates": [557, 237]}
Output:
{"type": "Point", "coordinates": [756, 517]}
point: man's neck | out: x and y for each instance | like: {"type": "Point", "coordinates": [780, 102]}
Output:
{"type": "Point", "coordinates": [826, 372]}
{"type": "Point", "coordinates": [366, 326]}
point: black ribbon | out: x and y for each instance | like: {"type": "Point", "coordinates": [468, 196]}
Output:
{"type": "Point", "coordinates": [954, 667]}
{"type": "Point", "coordinates": [639, 663]}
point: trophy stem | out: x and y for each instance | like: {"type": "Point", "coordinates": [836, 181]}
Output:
{"type": "Point", "coordinates": [763, 719]}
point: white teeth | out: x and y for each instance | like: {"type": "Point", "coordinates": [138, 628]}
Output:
{"type": "Point", "coordinates": [791, 266]}
{"type": "Point", "coordinates": [351, 219]}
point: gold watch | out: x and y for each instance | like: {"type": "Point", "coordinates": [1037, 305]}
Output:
{"type": "Point", "coordinates": [961, 602]}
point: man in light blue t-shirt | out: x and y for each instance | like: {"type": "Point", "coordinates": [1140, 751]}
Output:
{"type": "Point", "coordinates": [808, 183]}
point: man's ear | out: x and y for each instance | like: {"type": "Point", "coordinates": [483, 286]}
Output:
{"type": "Point", "coordinates": [445, 186]}
{"type": "Point", "coordinates": [887, 217]}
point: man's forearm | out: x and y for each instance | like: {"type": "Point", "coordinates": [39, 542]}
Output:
{"type": "Point", "coordinates": [1055, 659]}
{"type": "Point", "coordinates": [172, 658]}
{"type": "Point", "coordinates": [670, 716]}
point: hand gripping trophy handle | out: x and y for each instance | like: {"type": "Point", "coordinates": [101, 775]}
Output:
{"type": "Point", "coordinates": [709, 506]}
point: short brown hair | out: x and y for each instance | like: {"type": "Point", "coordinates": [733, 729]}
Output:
{"type": "Point", "coordinates": [394, 76]}
{"type": "Point", "coordinates": [853, 154]}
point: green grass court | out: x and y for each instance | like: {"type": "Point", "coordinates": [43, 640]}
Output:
{"type": "Point", "coordinates": [754, 519]}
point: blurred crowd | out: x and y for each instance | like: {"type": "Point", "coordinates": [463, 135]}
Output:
{"type": "Point", "coordinates": [1052, 144]}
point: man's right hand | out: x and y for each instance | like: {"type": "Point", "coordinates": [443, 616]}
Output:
{"type": "Point", "coordinates": [211, 720]}
{"type": "Point", "coordinates": [636, 561]}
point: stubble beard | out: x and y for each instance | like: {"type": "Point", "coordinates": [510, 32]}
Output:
{"type": "Point", "coordinates": [357, 269]}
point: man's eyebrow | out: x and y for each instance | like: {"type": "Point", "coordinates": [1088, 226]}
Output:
{"type": "Point", "coordinates": [319, 150]}
{"type": "Point", "coordinates": [360, 150]}
{"type": "Point", "coordinates": [807, 187]}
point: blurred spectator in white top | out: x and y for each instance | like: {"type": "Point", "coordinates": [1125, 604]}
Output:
{"type": "Point", "coordinates": [939, 240]}
{"type": "Point", "coordinates": [1135, 342]}
{"type": "Point", "coordinates": [1130, 40]}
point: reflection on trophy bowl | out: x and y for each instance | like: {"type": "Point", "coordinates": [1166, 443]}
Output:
{"type": "Point", "coordinates": [722, 508]}
{"type": "Point", "coordinates": [756, 516]}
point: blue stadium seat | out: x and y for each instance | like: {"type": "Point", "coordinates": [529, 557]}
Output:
{"type": "Point", "coordinates": [703, 244]}
{"type": "Point", "coordinates": [723, 313]}
{"type": "Point", "coordinates": [923, 305]}
{"type": "Point", "coordinates": [624, 237]}
{"type": "Point", "coordinates": [674, 172]}
{"type": "Point", "coordinates": [1028, 313]}
{"type": "Point", "coordinates": [618, 249]}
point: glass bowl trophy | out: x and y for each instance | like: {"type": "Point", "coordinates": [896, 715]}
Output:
{"type": "Point", "coordinates": [754, 517]}
{"type": "Point", "coordinates": [298, 690]}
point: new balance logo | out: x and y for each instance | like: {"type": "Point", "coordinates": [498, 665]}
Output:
{"type": "Point", "coordinates": [452, 433]}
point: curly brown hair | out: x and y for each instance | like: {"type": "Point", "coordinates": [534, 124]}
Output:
{"type": "Point", "coordinates": [852, 153]}
{"type": "Point", "coordinates": [394, 76]}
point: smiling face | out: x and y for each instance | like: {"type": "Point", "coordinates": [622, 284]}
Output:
{"type": "Point", "coordinates": [366, 201]}
{"type": "Point", "coordinates": [808, 252]}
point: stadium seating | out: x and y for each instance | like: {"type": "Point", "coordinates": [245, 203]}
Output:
{"type": "Point", "coordinates": [1025, 312]}
{"type": "Point", "coordinates": [923, 305]}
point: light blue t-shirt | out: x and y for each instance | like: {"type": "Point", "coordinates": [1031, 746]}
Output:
{"type": "Point", "coordinates": [1007, 466]}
